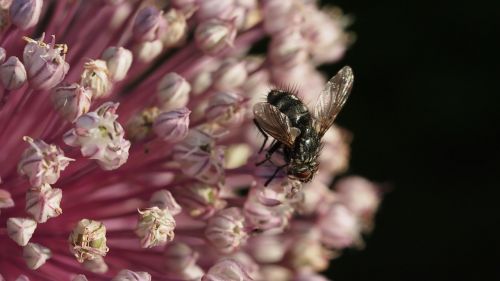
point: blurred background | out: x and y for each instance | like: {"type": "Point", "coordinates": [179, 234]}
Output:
{"type": "Point", "coordinates": [424, 112]}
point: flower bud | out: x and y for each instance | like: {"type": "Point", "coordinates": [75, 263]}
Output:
{"type": "Point", "coordinates": [5, 199]}
{"type": "Point", "coordinates": [146, 24]}
{"type": "Point", "coordinates": [25, 13]}
{"type": "Point", "coordinates": [237, 155]}
{"type": "Point", "coordinates": [164, 200]}
{"type": "Point", "coordinates": [100, 137]}
{"type": "Point", "coordinates": [209, 9]}
{"type": "Point", "coordinates": [227, 109]}
{"type": "Point", "coordinates": [147, 51]}
{"type": "Point", "coordinates": [88, 240]}
{"type": "Point", "coordinates": [214, 35]}
{"type": "Point", "coordinates": [45, 63]}
{"type": "Point", "coordinates": [5, 4]}
{"type": "Point", "coordinates": [200, 158]}
{"type": "Point", "coordinates": [230, 75]}
{"type": "Point", "coordinates": [358, 195]}
{"type": "Point", "coordinates": [267, 248]}
{"type": "Point", "coordinates": [173, 91]}
{"type": "Point", "coordinates": [180, 259]}
{"type": "Point", "coordinates": [71, 101]}
{"type": "Point", "coordinates": [12, 74]}
{"type": "Point", "coordinates": [307, 253]}
{"type": "Point", "coordinates": [118, 60]}
{"type": "Point", "coordinates": [141, 124]}
{"type": "Point", "coordinates": [95, 77]}
{"type": "Point", "coordinates": [200, 201]}
{"type": "Point", "coordinates": [42, 163]}
{"type": "Point", "coordinates": [155, 227]}
{"type": "Point", "coordinates": [177, 28]}
{"type": "Point", "coordinates": [339, 227]}
{"type": "Point", "coordinates": [288, 49]}
{"type": "Point", "coordinates": [226, 270]}
{"type": "Point", "coordinates": [22, 277]}
{"type": "Point", "coordinates": [43, 203]}
{"type": "Point", "coordinates": [35, 255]}
{"type": "Point", "coordinates": [3, 55]}
{"type": "Point", "coordinates": [275, 273]}
{"type": "Point", "coordinates": [129, 275]}
{"type": "Point", "coordinates": [80, 277]}
{"type": "Point", "coordinates": [96, 265]}
{"type": "Point", "coordinates": [172, 126]}
{"type": "Point", "coordinates": [20, 230]}
{"type": "Point", "coordinates": [226, 231]}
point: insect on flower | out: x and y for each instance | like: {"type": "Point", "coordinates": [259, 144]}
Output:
{"type": "Point", "coordinates": [297, 132]}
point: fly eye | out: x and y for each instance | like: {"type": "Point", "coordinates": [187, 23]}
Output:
{"type": "Point", "coordinates": [304, 174]}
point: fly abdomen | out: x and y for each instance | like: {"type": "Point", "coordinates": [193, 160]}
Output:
{"type": "Point", "coordinates": [291, 106]}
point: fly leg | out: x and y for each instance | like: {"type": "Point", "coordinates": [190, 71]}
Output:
{"type": "Point", "coordinates": [275, 146]}
{"type": "Point", "coordinates": [263, 133]}
{"type": "Point", "coordinates": [274, 174]}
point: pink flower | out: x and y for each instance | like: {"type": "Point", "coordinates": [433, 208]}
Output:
{"type": "Point", "coordinates": [140, 160]}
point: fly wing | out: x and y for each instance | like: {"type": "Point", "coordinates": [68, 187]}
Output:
{"type": "Point", "coordinates": [275, 123]}
{"type": "Point", "coordinates": [332, 99]}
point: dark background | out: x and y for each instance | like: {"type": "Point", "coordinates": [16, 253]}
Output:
{"type": "Point", "coordinates": [424, 112]}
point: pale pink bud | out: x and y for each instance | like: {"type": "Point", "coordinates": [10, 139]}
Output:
{"type": "Point", "coordinates": [339, 227]}
{"type": "Point", "coordinates": [12, 74]}
{"type": "Point", "coordinates": [336, 151]}
{"type": "Point", "coordinates": [129, 275]}
{"type": "Point", "coordinates": [279, 15]}
{"type": "Point", "coordinates": [279, 192]}
{"type": "Point", "coordinates": [315, 194]}
{"type": "Point", "coordinates": [43, 203]}
{"type": "Point", "coordinates": [5, 4]}
{"type": "Point", "coordinates": [164, 200]}
{"type": "Point", "coordinates": [288, 49]}
{"type": "Point", "coordinates": [173, 125]}
{"type": "Point", "coordinates": [275, 273]}
{"type": "Point", "coordinates": [177, 28]}
{"type": "Point", "coordinates": [42, 163]}
{"type": "Point", "coordinates": [5, 199]}
{"type": "Point", "coordinates": [80, 277]}
{"type": "Point", "coordinates": [173, 91]}
{"type": "Point", "coordinates": [25, 13]}
{"type": "Point", "coordinates": [35, 255]}
{"type": "Point", "coordinates": [147, 23]}
{"type": "Point", "coordinates": [3, 55]}
{"type": "Point", "coordinates": [267, 248]}
{"type": "Point", "coordinates": [210, 9]}
{"type": "Point", "coordinates": [226, 270]}
{"type": "Point", "coordinates": [230, 75]}
{"type": "Point", "coordinates": [200, 201]}
{"type": "Point", "coordinates": [262, 217]}
{"type": "Point", "coordinates": [96, 265]}
{"type": "Point", "coordinates": [358, 195]}
{"type": "Point", "coordinates": [214, 35]}
{"type": "Point", "coordinates": [118, 61]}
{"type": "Point", "coordinates": [88, 240]}
{"type": "Point", "coordinates": [307, 252]}
{"type": "Point", "coordinates": [22, 277]}
{"type": "Point", "coordinates": [95, 77]}
{"type": "Point", "coordinates": [188, 7]}
{"type": "Point", "coordinates": [147, 51]}
{"type": "Point", "coordinates": [100, 137]}
{"type": "Point", "coordinates": [200, 158]}
{"type": "Point", "coordinates": [155, 227]}
{"type": "Point", "coordinates": [20, 230]}
{"type": "Point", "coordinates": [226, 230]}
{"type": "Point", "coordinates": [180, 259]}
{"type": "Point", "coordinates": [72, 101]}
{"type": "Point", "coordinates": [44, 63]}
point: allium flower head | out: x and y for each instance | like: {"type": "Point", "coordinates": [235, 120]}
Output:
{"type": "Point", "coordinates": [138, 162]}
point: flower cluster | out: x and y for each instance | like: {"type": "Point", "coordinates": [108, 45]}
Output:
{"type": "Point", "coordinates": [128, 149]}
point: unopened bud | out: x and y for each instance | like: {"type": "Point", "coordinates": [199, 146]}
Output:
{"type": "Point", "coordinates": [20, 230]}
{"type": "Point", "coordinates": [148, 50]}
{"type": "Point", "coordinates": [25, 13]}
{"type": "Point", "coordinates": [72, 101]}
{"type": "Point", "coordinates": [227, 269]}
{"type": "Point", "coordinates": [88, 240]}
{"type": "Point", "coordinates": [225, 230]}
{"type": "Point", "coordinates": [177, 28]}
{"type": "Point", "coordinates": [129, 275]}
{"type": "Point", "coordinates": [172, 126]}
{"type": "Point", "coordinates": [3, 55]}
{"type": "Point", "coordinates": [5, 199]}
{"type": "Point", "coordinates": [80, 277]}
{"type": "Point", "coordinates": [173, 91]}
{"type": "Point", "coordinates": [95, 77]}
{"type": "Point", "coordinates": [12, 74]}
{"type": "Point", "coordinates": [118, 61]}
{"type": "Point", "coordinates": [164, 200]}
{"type": "Point", "coordinates": [214, 35]}
{"type": "Point", "coordinates": [146, 24]}
{"type": "Point", "coordinates": [35, 255]}
{"type": "Point", "coordinates": [230, 75]}
{"type": "Point", "coordinates": [96, 265]}
{"type": "Point", "coordinates": [44, 203]}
